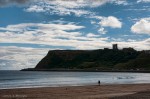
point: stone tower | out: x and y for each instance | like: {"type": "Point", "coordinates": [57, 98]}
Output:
{"type": "Point", "coordinates": [115, 47]}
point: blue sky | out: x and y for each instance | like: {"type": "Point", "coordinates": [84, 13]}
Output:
{"type": "Point", "coordinates": [28, 29]}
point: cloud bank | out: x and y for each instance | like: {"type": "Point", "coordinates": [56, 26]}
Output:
{"type": "Point", "coordinates": [144, 1]}
{"type": "Point", "coordinates": [68, 7]}
{"type": "Point", "coordinates": [110, 21]}
{"type": "Point", "coordinates": [68, 35]}
{"type": "Point", "coordinates": [50, 34]}
{"type": "Point", "coordinates": [16, 58]}
{"type": "Point", "coordinates": [142, 26]}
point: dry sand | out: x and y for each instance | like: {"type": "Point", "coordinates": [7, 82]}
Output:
{"type": "Point", "coordinates": [126, 91]}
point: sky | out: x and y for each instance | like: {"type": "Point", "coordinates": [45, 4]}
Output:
{"type": "Point", "coordinates": [30, 28]}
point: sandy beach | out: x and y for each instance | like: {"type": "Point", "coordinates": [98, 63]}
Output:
{"type": "Point", "coordinates": [124, 91]}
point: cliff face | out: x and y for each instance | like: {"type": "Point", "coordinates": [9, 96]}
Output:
{"type": "Point", "coordinates": [96, 59]}
{"type": "Point", "coordinates": [142, 62]}
{"type": "Point", "coordinates": [56, 58]}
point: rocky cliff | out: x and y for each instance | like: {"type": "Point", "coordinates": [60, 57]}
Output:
{"type": "Point", "coordinates": [107, 59]}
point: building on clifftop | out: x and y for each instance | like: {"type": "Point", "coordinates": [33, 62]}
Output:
{"type": "Point", "coordinates": [115, 47]}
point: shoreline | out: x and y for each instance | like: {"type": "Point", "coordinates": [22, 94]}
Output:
{"type": "Point", "coordinates": [79, 92]}
{"type": "Point", "coordinates": [63, 86]}
{"type": "Point", "coordinates": [83, 70]}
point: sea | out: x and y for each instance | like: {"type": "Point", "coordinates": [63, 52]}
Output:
{"type": "Point", "coordinates": [30, 79]}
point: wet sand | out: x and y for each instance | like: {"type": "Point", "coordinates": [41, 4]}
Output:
{"type": "Point", "coordinates": [124, 91]}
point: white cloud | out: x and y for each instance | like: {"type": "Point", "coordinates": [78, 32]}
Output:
{"type": "Point", "coordinates": [120, 2]}
{"type": "Point", "coordinates": [68, 7]}
{"type": "Point", "coordinates": [91, 35]}
{"type": "Point", "coordinates": [35, 8]}
{"type": "Point", "coordinates": [78, 3]}
{"type": "Point", "coordinates": [67, 3]}
{"type": "Point", "coordinates": [145, 1]}
{"type": "Point", "coordinates": [17, 58]}
{"type": "Point", "coordinates": [142, 26]}
{"type": "Point", "coordinates": [28, 26]}
{"type": "Point", "coordinates": [102, 31]}
{"type": "Point", "coordinates": [60, 7]}
{"type": "Point", "coordinates": [56, 9]}
{"type": "Point", "coordinates": [61, 35]}
{"type": "Point", "coordinates": [93, 22]}
{"type": "Point", "coordinates": [48, 34]}
{"type": "Point", "coordinates": [110, 21]}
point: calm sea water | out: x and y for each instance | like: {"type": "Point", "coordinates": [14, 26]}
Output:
{"type": "Point", "coordinates": [27, 79]}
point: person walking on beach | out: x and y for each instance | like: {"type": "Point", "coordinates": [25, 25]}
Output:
{"type": "Point", "coordinates": [99, 83]}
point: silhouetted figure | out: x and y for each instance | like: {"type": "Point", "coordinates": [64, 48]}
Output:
{"type": "Point", "coordinates": [99, 83]}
